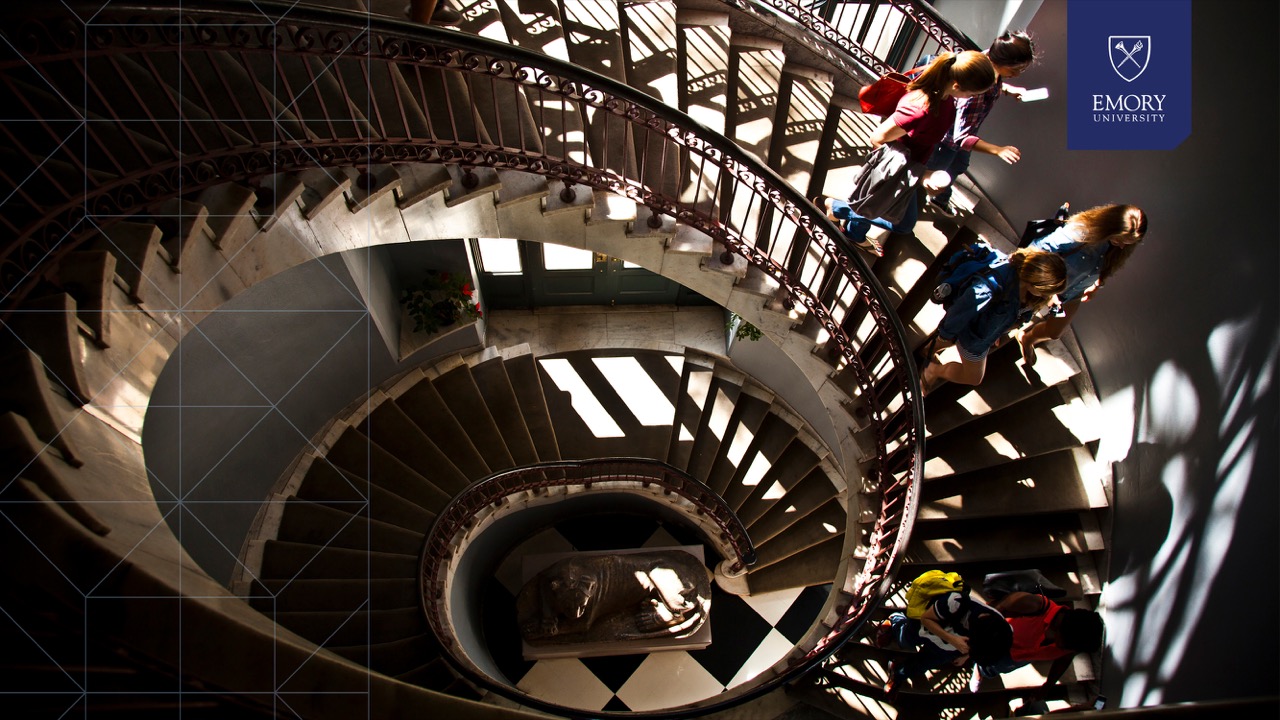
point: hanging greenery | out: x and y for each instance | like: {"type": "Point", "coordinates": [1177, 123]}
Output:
{"type": "Point", "coordinates": [440, 300]}
{"type": "Point", "coordinates": [745, 331]}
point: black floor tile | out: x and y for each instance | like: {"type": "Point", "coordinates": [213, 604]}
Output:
{"type": "Point", "coordinates": [614, 671]}
{"type": "Point", "coordinates": [736, 632]}
{"type": "Point", "coordinates": [607, 532]}
{"type": "Point", "coordinates": [617, 705]}
{"type": "Point", "coordinates": [800, 616]}
{"type": "Point", "coordinates": [501, 631]}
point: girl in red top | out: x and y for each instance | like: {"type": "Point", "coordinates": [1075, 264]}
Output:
{"type": "Point", "coordinates": [923, 117]}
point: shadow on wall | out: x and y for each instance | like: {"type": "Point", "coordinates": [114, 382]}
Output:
{"type": "Point", "coordinates": [1194, 550]}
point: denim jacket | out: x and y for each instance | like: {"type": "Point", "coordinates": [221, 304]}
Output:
{"type": "Point", "coordinates": [1084, 262]}
{"type": "Point", "coordinates": [985, 310]}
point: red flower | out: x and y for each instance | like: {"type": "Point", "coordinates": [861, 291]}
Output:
{"type": "Point", "coordinates": [466, 289]}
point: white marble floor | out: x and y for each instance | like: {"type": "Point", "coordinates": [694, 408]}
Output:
{"type": "Point", "coordinates": [651, 327]}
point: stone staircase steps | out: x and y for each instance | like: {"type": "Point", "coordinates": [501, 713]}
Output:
{"type": "Point", "coordinates": [522, 371]}
{"type": "Point", "coordinates": [342, 628]}
{"type": "Point", "coordinates": [1061, 481]}
{"type": "Point", "coordinates": [335, 594]}
{"type": "Point", "coordinates": [423, 404]}
{"type": "Point", "coordinates": [1007, 381]}
{"type": "Point", "coordinates": [1055, 419]}
{"type": "Point", "coordinates": [499, 396]}
{"type": "Point", "coordinates": [793, 465]}
{"type": "Point", "coordinates": [460, 393]}
{"type": "Point", "coordinates": [283, 560]}
{"type": "Point", "coordinates": [315, 524]}
{"type": "Point", "coordinates": [355, 453]}
{"type": "Point", "coordinates": [748, 413]}
{"type": "Point", "coordinates": [324, 484]}
{"type": "Point", "coordinates": [812, 566]}
{"type": "Point", "coordinates": [806, 496]}
{"type": "Point", "coordinates": [393, 657]}
{"type": "Point", "coordinates": [717, 410]}
{"type": "Point", "coordinates": [769, 444]}
{"type": "Point", "coordinates": [394, 431]}
{"type": "Point", "coordinates": [1049, 536]}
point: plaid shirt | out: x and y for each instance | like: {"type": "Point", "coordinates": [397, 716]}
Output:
{"type": "Point", "coordinates": [970, 112]}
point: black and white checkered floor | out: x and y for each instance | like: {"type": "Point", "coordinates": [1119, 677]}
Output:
{"type": "Point", "coordinates": [748, 634]}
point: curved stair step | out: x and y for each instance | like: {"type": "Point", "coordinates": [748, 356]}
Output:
{"type": "Point", "coordinates": [813, 566]}
{"type": "Point", "coordinates": [291, 560]}
{"type": "Point", "coordinates": [392, 657]}
{"type": "Point", "coordinates": [315, 524]}
{"type": "Point", "coordinates": [342, 629]}
{"type": "Point", "coordinates": [945, 543]}
{"type": "Point", "coordinates": [1007, 381]}
{"type": "Point", "coordinates": [713, 425]}
{"type": "Point", "coordinates": [785, 473]}
{"type": "Point", "coordinates": [522, 371]}
{"type": "Point", "coordinates": [807, 495]}
{"type": "Point", "coordinates": [423, 404]}
{"type": "Point", "coordinates": [461, 394]}
{"type": "Point", "coordinates": [695, 384]}
{"type": "Point", "coordinates": [823, 524]}
{"type": "Point", "coordinates": [776, 434]}
{"type": "Point", "coordinates": [1062, 481]}
{"type": "Point", "coordinates": [333, 594]}
{"type": "Point", "coordinates": [326, 485]}
{"type": "Point", "coordinates": [748, 413]}
{"type": "Point", "coordinates": [499, 396]}
{"type": "Point", "coordinates": [394, 431]}
{"type": "Point", "coordinates": [1055, 419]}
{"type": "Point", "coordinates": [355, 453]}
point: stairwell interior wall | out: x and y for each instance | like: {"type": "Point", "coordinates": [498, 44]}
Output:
{"type": "Point", "coordinates": [984, 20]}
{"type": "Point", "coordinates": [1182, 345]}
{"type": "Point", "coordinates": [246, 392]}
{"type": "Point", "coordinates": [371, 271]}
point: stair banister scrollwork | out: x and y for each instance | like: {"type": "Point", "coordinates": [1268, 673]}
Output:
{"type": "Point", "coordinates": [683, 170]}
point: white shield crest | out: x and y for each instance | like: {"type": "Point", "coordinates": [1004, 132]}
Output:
{"type": "Point", "coordinates": [1129, 55]}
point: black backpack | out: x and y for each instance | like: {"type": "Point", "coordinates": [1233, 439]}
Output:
{"type": "Point", "coordinates": [968, 264]}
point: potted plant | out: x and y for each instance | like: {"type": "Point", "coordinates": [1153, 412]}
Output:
{"type": "Point", "coordinates": [440, 300]}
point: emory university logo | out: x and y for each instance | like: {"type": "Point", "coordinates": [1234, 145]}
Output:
{"type": "Point", "coordinates": [1129, 55]}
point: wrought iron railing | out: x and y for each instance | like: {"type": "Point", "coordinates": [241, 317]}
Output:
{"type": "Point", "coordinates": [109, 120]}
{"type": "Point", "coordinates": [862, 39]}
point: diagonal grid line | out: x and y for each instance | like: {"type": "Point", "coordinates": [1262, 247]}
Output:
{"type": "Point", "coordinates": [36, 169]}
{"type": "Point", "coordinates": [132, 264]}
{"type": "Point", "coordinates": [319, 549]}
{"type": "Point", "coordinates": [40, 647]}
{"type": "Point", "coordinates": [359, 320]}
{"type": "Point", "coordinates": [320, 645]}
{"type": "Point", "coordinates": [186, 493]}
{"type": "Point", "coordinates": [234, 555]}
{"type": "Point", "coordinates": [36, 547]}
{"type": "Point", "coordinates": [125, 556]}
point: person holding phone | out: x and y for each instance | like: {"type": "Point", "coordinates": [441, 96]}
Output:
{"type": "Point", "coordinates": [884, 192]}
{"type": "Point", "coordinates": [1011, 54]}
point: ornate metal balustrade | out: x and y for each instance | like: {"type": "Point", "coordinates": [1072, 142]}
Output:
{"type": "Point", "coordinates": [866, 39]}
{"type": "Point", "coordinates": [109, 119]}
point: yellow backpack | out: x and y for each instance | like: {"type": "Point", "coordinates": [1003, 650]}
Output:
{"type": "Point", "coordinates": [928, 586]}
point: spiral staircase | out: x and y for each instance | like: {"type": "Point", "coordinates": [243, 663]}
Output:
{"type": "Point", "coordinates": [142, 195]}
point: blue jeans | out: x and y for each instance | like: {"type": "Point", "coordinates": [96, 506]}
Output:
{"type": "Point", "coordinates": [952, 159]}
{"type": "Point", "coordinates": [857, 226]}
{"type": "Point", "coordinates": [1000, 667]}
{"type": "Point", "coordinates": [928, 656]}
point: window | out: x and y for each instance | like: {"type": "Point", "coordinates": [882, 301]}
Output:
{"type": "Point", "coordinates": [499, 255]}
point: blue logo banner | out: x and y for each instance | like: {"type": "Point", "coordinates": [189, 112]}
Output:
{"type": "Point", "coordinates": [1128, 74]}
